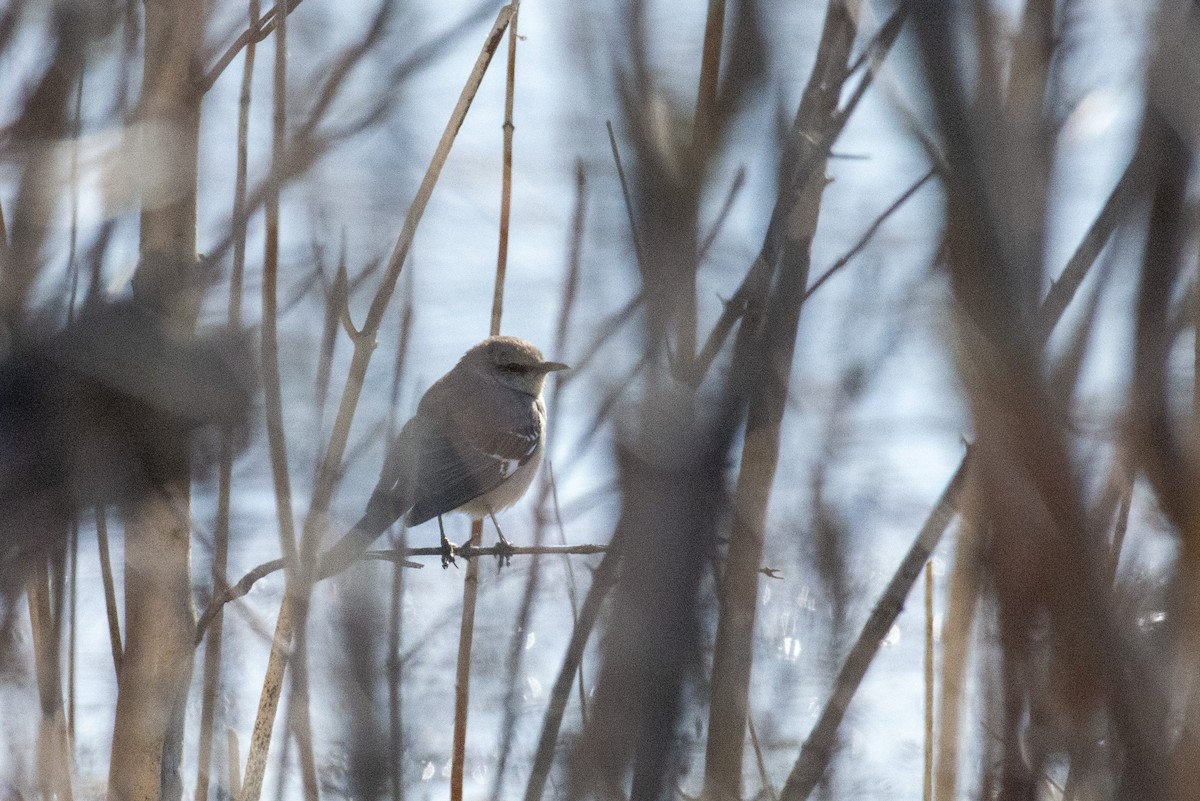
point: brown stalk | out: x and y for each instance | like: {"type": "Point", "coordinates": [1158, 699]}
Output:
{"type": "Point", "coordinates": [110, 591]}
{"type": "Point", "coordinates": [331, 464]}
{"type": "Point", "coordinates": [259, 29]}
{"type": "Point", "coordinates": [212, 651]}
{"type": "Point", "coordinates": [73, 581]}
{"type": "Point", "coordinates": [156, 668]}
{"type": "Point", "coordinates": [276, 433]}
{"type": "Point", "coordinates": [54, 748]}
{"type": "Point", "coordinates": [789, 245]}
{"type": "Point", "coordinates": [462, 670]}
{"type": "Point", "coordinates": [927, 778]}
{"type": "Point", "coordinates": [462, 680]}
{"type": "Point", "coordinates": [516, 648]}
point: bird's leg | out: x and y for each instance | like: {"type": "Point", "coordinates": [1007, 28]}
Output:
{"type": "Point", "coordinates": [449, 549]}
{"type": "Point", "coordinates": [504, 548]}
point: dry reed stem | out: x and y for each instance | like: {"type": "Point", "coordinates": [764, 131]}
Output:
{"type": "Point", "coordinates": [53, 747]}
{"type": "Point", "coordinates": [638, 251]}
{"type": "Point", "coordinates": [73, 580]}
{"type": "Point", "coordinates": [767, 785]}
{"type": "Point", "coordinates": [869, 233]}
{"type": "Point", "coordinates": [233, 762]}
{"type": "Point", "coordinates": [506, 173]}
{"type": "Point", "coordinates": [330, 468]}
{"type": "Point", "coordinates": [259, 29]}
{"type": "Point", "coordinates": [710, 75]}
{"type": "Point", "coordinates": [462, 680]}
{"type": "Point", "coordinates": [220, 579]}
{"type": "Point", "coordinates": [110, 591]}
{"type": "Point", "coordinates": [276, 432]}
{"type": "Point", "coordinates": [156, 668]}
{"type": "Point", "coordinates": [927, 783]}
{"type": "Point", "coordinates": [462, 671]}
{"type": "Point", "coordinates": [770, 346]}
{"type": "Point", "coordinates": [962, 599]}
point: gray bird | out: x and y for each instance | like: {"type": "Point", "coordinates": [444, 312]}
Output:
{"type": "Point", "coordinates": [473, 446]}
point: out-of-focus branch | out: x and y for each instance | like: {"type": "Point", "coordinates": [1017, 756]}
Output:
{"type": "Point", "coordinates": [763, 357]}
{"type": "Point", "coordinates": [257, 31]}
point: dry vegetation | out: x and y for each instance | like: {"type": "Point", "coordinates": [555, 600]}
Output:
{"type": "Point", "coordinates": [1056, 660]}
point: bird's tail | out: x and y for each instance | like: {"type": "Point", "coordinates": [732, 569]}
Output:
{"type": "Point", "coordinates": [354, 543]}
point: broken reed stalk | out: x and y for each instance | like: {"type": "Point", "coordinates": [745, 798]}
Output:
{"type": "Point", "coordinates": [220, 578]}
{"type": "Point", "coordinates": [961, 603]}
{"type": "Point", "coordinates": [466, 634]}
{"type": "Point", "coordinates": [331, 465]}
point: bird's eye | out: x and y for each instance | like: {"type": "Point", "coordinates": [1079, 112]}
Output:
{"type": "Point", "coordinates": [513, 367]}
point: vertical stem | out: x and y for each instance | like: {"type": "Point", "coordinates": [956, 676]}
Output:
{"type": "Point", "coordinates": [927, 790]}
{"type": "Point", "coordinates": [506, 173]}
{"type": "Point", "coordinates": [72, 635]}
{"type": "Point", "coordinates": [394, 668]}
{"type": "Point", "coordinates": [276, 434]}
{"type": "Point", "coordinates": [462, 678]}
{"type": "Point", "coordinates": [710, 73]}
{"type": "Point", "coordinates": [272, 390]}
{"type": "Point", "coordinates": [332, 461]}
{"type": "Point", "coordinates": [234, 761]}
{"type": "Point", "coordinates": [466, 635]}
{"type": "Point", "coordinates": [214, 644]}
{"type": "Point", "coordinates": [156, 667]}
{"type": "Point", "coordinates": [54, 750]}
{"type": "Point", "coordinates": [791, 246]}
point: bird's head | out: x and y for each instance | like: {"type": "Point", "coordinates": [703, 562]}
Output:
{"type": "Point", "coordinates": [512, 362]}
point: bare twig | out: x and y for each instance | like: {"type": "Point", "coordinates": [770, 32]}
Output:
{"type": "Point", "coordinates": [212, 653]}
{"type": "Point", "coordinates": [633, 232]}
{"type": "Point", "coordinates": [258, 30]}
{"type": "Point", "coordinates": [870, 232]}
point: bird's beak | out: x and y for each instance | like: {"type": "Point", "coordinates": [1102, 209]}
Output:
{"type": "Point", "coordinates": [553, 367]}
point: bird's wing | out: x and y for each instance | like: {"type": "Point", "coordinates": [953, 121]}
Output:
{"type": "Point", "coordinates": [469, 452]}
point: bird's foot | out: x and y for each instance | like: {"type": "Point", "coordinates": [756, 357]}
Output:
{"type": "Point", "coordinates": [504, 551]}
{"type": "Point", "coordinates": [449, 551]}
{"type": "Point", "coordinates": [504, 548]}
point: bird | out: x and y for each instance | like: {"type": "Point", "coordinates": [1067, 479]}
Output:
{"type": "Point", "coordinates": [474, 446]}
